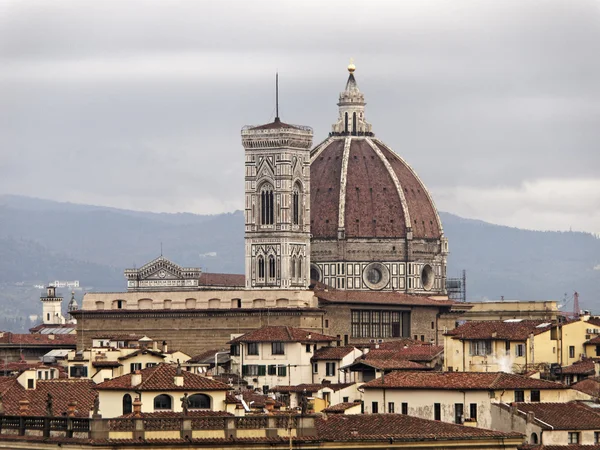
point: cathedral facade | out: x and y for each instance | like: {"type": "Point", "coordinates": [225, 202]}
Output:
{"type": "Point", "coordinates": [343, 239]}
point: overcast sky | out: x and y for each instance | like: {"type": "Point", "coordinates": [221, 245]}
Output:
{"type": "Point", "coordinates": [139, 104]}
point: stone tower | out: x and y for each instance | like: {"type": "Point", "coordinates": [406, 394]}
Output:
{"type": "Point", "coordinates": [277, 205]}
{"type": "Point", "coordinates": [51, 307]}
{"type": "Point", "coordinates": [72, 307]}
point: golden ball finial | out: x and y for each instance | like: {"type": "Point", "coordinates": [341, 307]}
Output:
{"type": "Point", "coordinates": [351, 66]}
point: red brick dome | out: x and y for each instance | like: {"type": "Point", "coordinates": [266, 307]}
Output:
{"type": "Point", "coordinates": [360, 188]}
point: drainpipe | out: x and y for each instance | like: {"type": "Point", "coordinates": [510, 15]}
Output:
{"type": "Point", "coordinates": [216, 361]}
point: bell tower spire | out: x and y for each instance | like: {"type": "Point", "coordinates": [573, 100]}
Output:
{"type": "Point", "coordinates": [351, 120]}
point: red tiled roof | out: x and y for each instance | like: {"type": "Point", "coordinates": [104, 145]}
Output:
{"type": "Point", "coordinates": [340, 407]}
{"type": "Point", "coordinates": [282, 334]}
{"type": "Point", "coordinates": [460, 380]}
{"type": "Point", "coordinates": [388, 364]}
{"type": "Point", "coordinates": [161, 378]}
{"type": "Point", "coordinates": [45, 340]}
{"type": "Point", "coordinates": [378, 298]}
{"type": "Point", "coordinates": [110, 364]}
{"type": "Point", "coordinates": [412, 353]}
{"type": "Point", "coordinates": [590, 386]}
{"type": "Point", "coordinates": [499, 330]}
{"type": "Point", "coordinates": [366, 427]}
{"type": "Point", "coordinates": [584, 367]}
{"type": "Point", "coordinates": [397, 343]}
{"type": "Point", "coordinates": [593, 341]}
{"type": "Point", "coordinates": [63, 391]}
{"type": "Point", "coordinates": [331, 353]}
{"type": "Point", "coordinates": [594, 321]}
{"type": "Point", "coordinates": [311, 387]}
{"type": "Point", "coordinates": [578, 417]}
{"type": "Point", "coordinates": [222, 280]}
{"type": "Point", "coordinates": [275, 125]}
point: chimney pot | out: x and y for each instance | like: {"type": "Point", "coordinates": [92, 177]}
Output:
{"type": "Point", "coordinates": [71, 408]}
{"type": "Point", "coordinates": [137, 407]}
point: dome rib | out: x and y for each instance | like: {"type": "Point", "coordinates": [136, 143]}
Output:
{"type": "Point", "coordinates": [396, 181]}
{"type": "Point", "coordinates": [406, 166]}
{"type": "Point", "coordinates": [343, 180]}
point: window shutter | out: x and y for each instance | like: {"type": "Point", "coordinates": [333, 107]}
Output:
{"type": "Point", "coordinates": [262, 370]}
{"type": "Point", "coordinates": [282, 371]}
{"type": "Point", "coordinates": [244, 370]}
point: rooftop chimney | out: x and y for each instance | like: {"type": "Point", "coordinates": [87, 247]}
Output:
{"type": "Point", "coordinates": [165, 348]}
{"type": "Point", "coordinates": [136, 378]}
{"type": "Point", "coordinates": [178, 379]}
{"type": "Point", "coordinates": [155, 346]}
{"type": "Point", "coordinates": [530, 416]}
{"type": "Point", "coordinates": [71, 406]}
{"type": "Point", "coordinates": [137, 407]}
{"type": "Point", "coordinates": [23, 406]}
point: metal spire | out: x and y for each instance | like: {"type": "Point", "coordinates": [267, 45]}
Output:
{"type": "Point", "coordinates": [276, 96]}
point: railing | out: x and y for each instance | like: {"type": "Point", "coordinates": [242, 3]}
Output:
{"type": "Point", "coordinates": [135, 428]}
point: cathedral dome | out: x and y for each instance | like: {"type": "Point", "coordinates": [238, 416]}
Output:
{"type": "Point", "coordinates": [362, 189]}
{"type": "Point", "coordinates": [373, 223]}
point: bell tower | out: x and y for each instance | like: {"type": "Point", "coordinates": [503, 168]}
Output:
{"type": "Point", "coordinates": [277, 204]}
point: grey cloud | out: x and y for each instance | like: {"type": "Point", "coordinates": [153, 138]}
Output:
{"type": "Point", "coordinates": [139, 104]}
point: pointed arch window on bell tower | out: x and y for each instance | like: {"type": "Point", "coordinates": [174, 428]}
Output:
{"type": "Point", "coordinates": [266, 205]}
{"type": "Point", "coordinates": [271, 267]}
{"type": "Point", "coordinates": [296, 205]}
{"type": "Point", "coordinates": [261, 268]}
{"type": "Point", "coordinates": [345, 122]}
{"type": "Point", "coordinates": [354, 123]}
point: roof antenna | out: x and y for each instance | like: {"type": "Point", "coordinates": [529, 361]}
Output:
{"type": "Point", "coordinates": [161, 249]}
{"type": "Point", "coordinates": [276, 96]}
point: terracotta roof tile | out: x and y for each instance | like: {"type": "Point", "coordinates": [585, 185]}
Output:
{"type": "Point", "coordinates": [583, 367]}
{"type": "Point", "coordinates": [590, 386]}
{"type": "Point", "coordinates": [499, 330]}
{"type": "Point", "coordinates": [142, 351]}
{"type": "Point", "coordinates": [460, 380]}
{"type": "Point", "coordinates": [340, 407]}
{"type": "Point", "coordinates": [191, 413]}
{"type": "Point", "coordinates": [331, 353]}
{"type": "Point", "coordinates": [389, 363]}
{"type": "Point", "coordinates": [365, 427]}
{"type": "Point", "coordinates": [579, 417]}
{"type": "Point", "coordinates": [412, 353]}
{"type": "Point", "coordinates": [106, 363]}
{"type": "Point", "coordinates": [377, 298]}
{"type": "Point", "coordinates": [162, 378]}
{"type": "Point", "coordinates": [222, 280]}
{"type": "Point", "coordinates": [282, 334]}
{"type": "Point", "coordinates": [63, 391]}
{"type": "Point", "coordinates": [45, 340]}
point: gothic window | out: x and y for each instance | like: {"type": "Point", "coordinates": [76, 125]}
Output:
{"type": "Point", "coordinates": [299, 271]}
{"type": "Point", "coordinates": [296, 205]}
{"type": "Point", "coordinates": [293, 268]}
{"type": "Point", "coordinates": [266, 205]}
{"type": "Point", "coordinates": [261, 267]}
{"type": "Point", "coordinates": [354, 124]}
{"type": "Point", "coordinates": [345, 122]}
{"type": "Point", "coordinates": [272, 267]}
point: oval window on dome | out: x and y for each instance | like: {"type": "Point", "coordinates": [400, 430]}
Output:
{"type": "Point", "coordinates": [427, 277]}
{"type": "Point", "coordinates": [376, 276]}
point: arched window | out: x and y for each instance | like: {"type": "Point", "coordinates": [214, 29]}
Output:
{"type": "Point", "coordinates": [199, 401]}
{"type": "Point", "coordinates": [163, 401]}
{"type": "Point", "coordinates": [127, 409]}
{"type": "Point", "coordinates": [534, 438]}
{"type": "Point", "coordinates": [261, 267]}
{"type": "Point", "coordinates": [299, 271]}
{"type": "Point", "coordinates": [266, 205]}
{"type": "Point", "coordinates": [296, 205]}
{"type": "Point", "coordinates": [354, 123]}
{"type": "Point", "coordinates": [345, 122]}
{"type": "Point", "coordinates": [293, 268]}
{"type": "Point", "coordinates": [272, 267]}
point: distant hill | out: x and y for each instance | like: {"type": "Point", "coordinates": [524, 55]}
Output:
{"type": "Point", "coordinates": [42, 240]}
